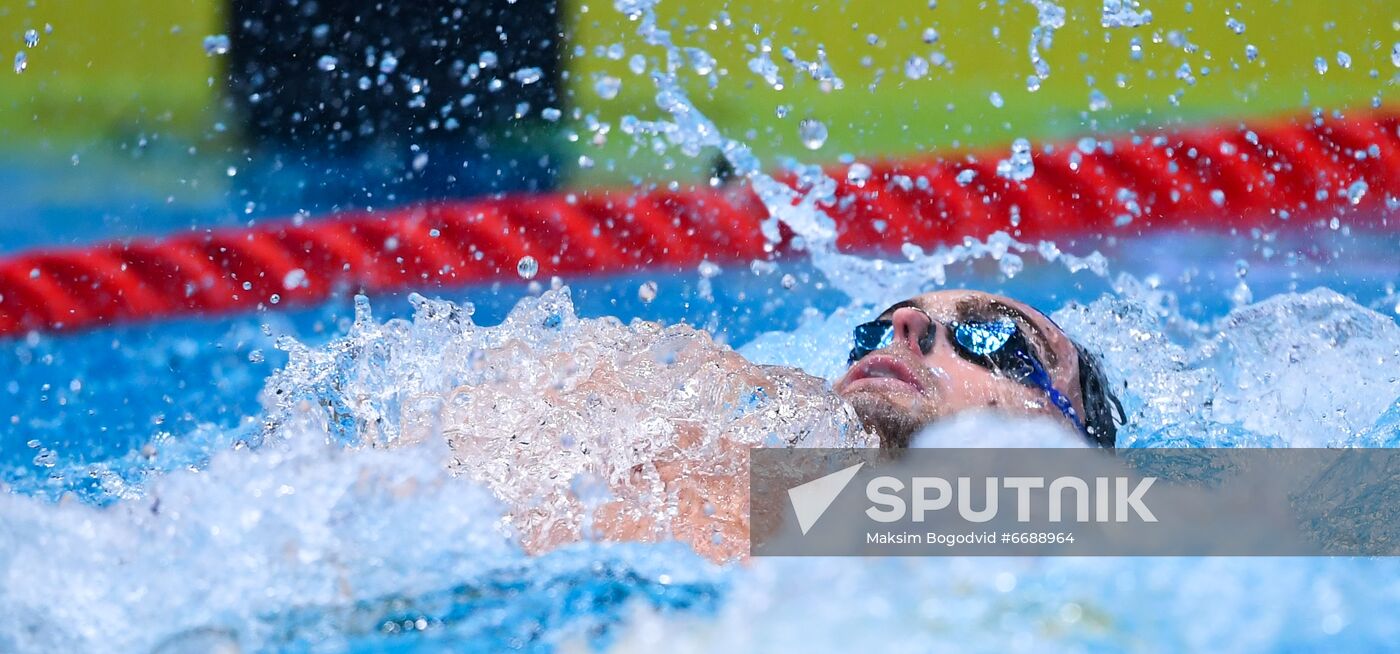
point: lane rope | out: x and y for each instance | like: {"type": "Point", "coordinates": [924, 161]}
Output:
{"type": "Point", "coordinates": [1269, 175]}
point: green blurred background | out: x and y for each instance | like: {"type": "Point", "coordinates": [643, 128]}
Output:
{"type": "Point", "coordinates": [111, 77]}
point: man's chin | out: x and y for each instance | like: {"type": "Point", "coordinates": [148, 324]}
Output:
{"type": "Point", "coordinates": [885, 413]}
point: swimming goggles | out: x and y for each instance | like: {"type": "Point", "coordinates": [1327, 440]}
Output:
{"type": "Point", "coordinates": [997, 345]}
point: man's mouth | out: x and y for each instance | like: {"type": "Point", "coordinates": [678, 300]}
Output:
{"type": "Point", "coordinates": [881, 371]}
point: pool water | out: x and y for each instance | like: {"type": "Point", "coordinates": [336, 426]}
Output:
{"type": "Point", "coordinates": [375, 473]}
{"type": "Point", "coordinates": [162, 496]}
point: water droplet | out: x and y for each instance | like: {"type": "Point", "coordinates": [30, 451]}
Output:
{"type": "Point", "coordinates": [327, 63]}
{"type": "Point", "coordinates": [21, 62]}
{"type": "Point", "coordinates": [551, 114]}
{"type": "Point", "coordinates": [31, 38]}
{"type": "Point", "coordinates": [995, 99]}
{"type": "Point", "coordinates": [700, 61]}
{"type": "Point", "coordinates": [858, 174]}
{"type": "Point", "coordinates": [966, 176]}
{"type": "Point", "coordinates": [388, 63]}
{"type": "Point", "coordinates": [487, 59]}
{"type": "Point", "coordinates": [527, 76]}
{"type": "Point", "coordinates": [1320, 64]}
{"type": "Point", "coordinates": [1097, 100]}
{"type": "Point", "coordinates": [1250, 52]}
{"type": "Point", "coordinates": [1032, 83]}
{"type": "Point", "coordinates": [916, 67]}
{"type": "Point", "coordinates": [1356, 191]}
{"type": "Point", "coordinates": [294, 279]}
{"type": "Point", "coordinates": [46, 458]}
{"type": "Point", "coordinates": [528, 267]}
{"type": "Point", "coordinates": [930, 35]}
{"type": "Point", "coordinates": [1343, 59]}
{"type": "Point", "coordinates": [812, 132]}
{"type": "Point", "coordinates": [647, 292]}
{"type": "Point", "coordinates": [1020, 166]}
{"type": "Point", "coordinates": [1234, 25]}
{"type": "Point", "coordinates": [637, 64]}
{"type": "Point", "coordinates": [607, 87]}
{"type": "Point", "coordinates": [256, 356]}
{"type": "Point", "coordinates": [788, 281]}
{"type": "Point", "coordinates": [1395, 54]}
{"type": "Point", "coordinates": [1185, 74]}
{"type": "Point", "coordinates": [216, 44]}
{"type": "Point", "coordinates": [1218, 197]}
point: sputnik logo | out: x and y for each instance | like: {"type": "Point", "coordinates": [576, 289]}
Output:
{"type": "Point", "coordinates": [812, 499]}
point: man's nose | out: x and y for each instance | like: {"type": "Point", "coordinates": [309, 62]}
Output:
{"type": "Point", "coordinates": [913, 329]}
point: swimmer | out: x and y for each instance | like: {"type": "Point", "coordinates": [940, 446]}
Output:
{"type": "Point", "coordinates": [946, 352]}
{"type": "Point", "coordinates": [922, 360]}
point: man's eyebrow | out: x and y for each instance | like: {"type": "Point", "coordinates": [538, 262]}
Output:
{"type": "Point", "coordinates": [978, 305]}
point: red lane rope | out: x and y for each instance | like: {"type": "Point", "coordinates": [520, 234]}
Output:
{"type": "Point", "coordinates": [1267, 175]}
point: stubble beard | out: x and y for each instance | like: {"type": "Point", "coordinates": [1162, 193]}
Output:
{"type": "Point", "coordinates": [894, 425]}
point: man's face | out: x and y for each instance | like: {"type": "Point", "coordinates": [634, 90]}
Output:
{"type": "Point", "coordinates": [899, 388]}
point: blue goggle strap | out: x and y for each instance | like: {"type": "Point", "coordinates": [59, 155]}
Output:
{"type": "Point", "coordinates": [1041, 379]}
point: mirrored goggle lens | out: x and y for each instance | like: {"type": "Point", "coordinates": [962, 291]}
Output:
{"type": "Point", "coordinates": [984, 338]}
{"type": "Point", "coordinates": [870, 336]}
{"type": "Point", "coordinates": [997, 345]}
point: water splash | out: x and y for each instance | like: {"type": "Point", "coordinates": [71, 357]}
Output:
{"type": "Point", "coordinates": [1049, 18]}
{"type": "Point", "coordinates": [300, 545]}
{"type": "Point", "coordinates": [690, 130]}
{"type": "Point", "coordinates": [1124, 13]}
{"type": "Point", "coordinates": [819, 69]}
{"type": "Point", "coordinates": [762, 65]}
{"type": "Point", "coordinates": [547, 401]}
{"type": "Point", "coordinates": [1036, 605]}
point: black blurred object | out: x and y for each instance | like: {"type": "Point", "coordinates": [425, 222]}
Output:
{"type": "Point", "coordinates": [351, 103]}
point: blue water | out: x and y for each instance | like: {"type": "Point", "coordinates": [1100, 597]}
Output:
{"type": "Point", "coordinates": [418, 574]}
{"type": "Point", "coordinates": [97, 394]}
